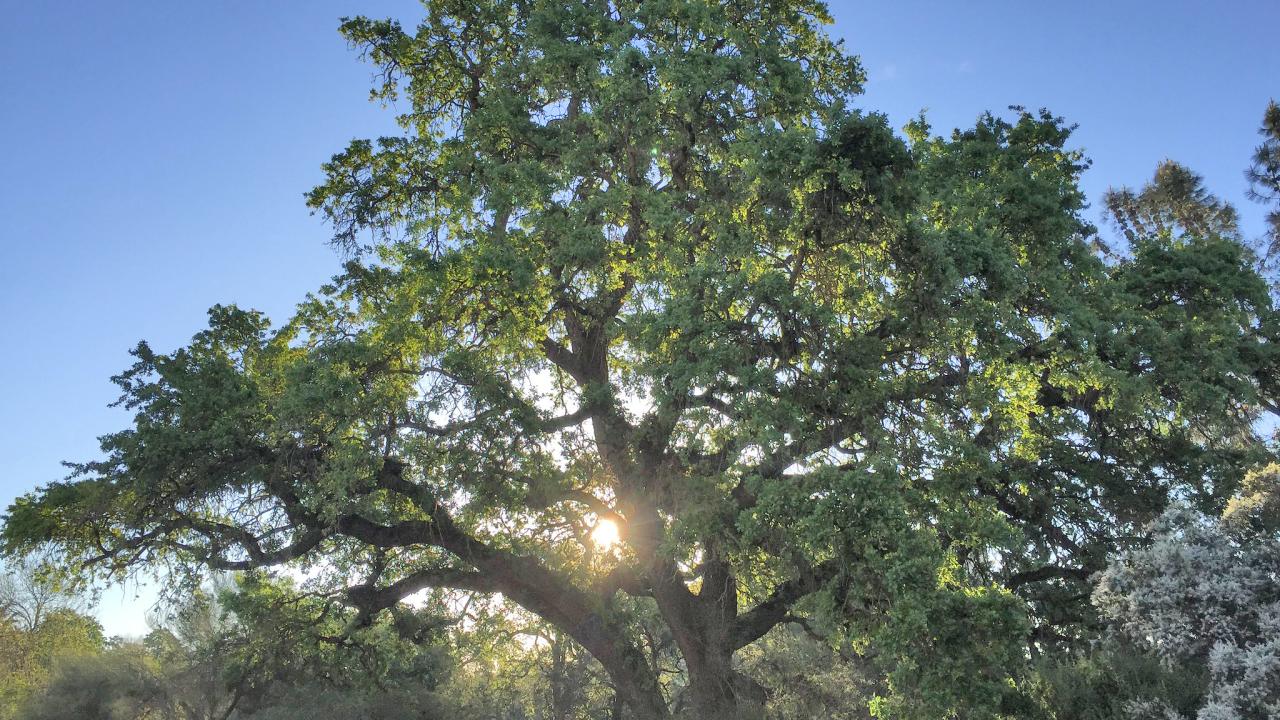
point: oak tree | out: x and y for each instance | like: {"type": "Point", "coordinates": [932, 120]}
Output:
{"type": "Point", "coordinates": [642, 269]}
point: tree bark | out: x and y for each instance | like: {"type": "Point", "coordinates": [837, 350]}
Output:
{"type": "Point", "coordinates": [718, 692]}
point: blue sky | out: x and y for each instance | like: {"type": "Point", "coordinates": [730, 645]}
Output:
{"type": "Point", "coordinates": [156, 154]}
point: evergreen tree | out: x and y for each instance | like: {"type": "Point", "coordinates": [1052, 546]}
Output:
{"type": "Point", "coordinates": [1264, 173]}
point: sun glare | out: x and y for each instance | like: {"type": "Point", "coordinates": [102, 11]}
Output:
{"type": "Point", "coordinates": [605, 533]}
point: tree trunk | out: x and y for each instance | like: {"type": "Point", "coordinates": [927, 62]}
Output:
{"type": "Point", "coordinates": [702, 626]}
{"type": "Point", "coordinates": [723, 695]}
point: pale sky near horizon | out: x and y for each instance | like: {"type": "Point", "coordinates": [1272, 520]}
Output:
{"type": "Point", "coordinates": [156, 155]}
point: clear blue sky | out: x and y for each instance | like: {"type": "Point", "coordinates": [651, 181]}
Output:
{"type": "Point", "coordinates": [155, 156]}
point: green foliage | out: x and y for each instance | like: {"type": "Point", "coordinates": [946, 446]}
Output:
{"type": "Point", "coordinates": [1193, 619]}
{"type": "Point", "coordinates": [250, 649]}
{"type": "Point", "coordinates": [303, 703]}
{"type": "Point", "coordinates": [123, 683]}
{"type": "Point", "coordinates": [278, 645]}
{"type": "Point", "coordinates": [809, 678]}
{"type": "Point", "coordinates": [1110, 681]}
{"type": "Point", "coordinates": [29, 655]}
{"type": "Point", "coordinates": [1174, 205]}
{"type": "Point", "coordinates": [1255, 510]}
{"type": "Point", "coordinates": [1264, 173]}
{"type": "Point", "coordinates": [1205, 596]}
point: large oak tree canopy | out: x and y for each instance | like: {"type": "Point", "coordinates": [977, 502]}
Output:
{"type": "Point", "coordinates": [645, 262]}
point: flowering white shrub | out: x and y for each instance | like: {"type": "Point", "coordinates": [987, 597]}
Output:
{"type": "Point", "coordinates": [1207, 592]}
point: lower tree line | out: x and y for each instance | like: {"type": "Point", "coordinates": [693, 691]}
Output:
{"type": "Point", "coordinates": [1191, 630]}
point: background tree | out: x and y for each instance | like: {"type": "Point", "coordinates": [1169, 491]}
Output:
{"type": "Point", "coordinates": [41, 625]}
{"type": "Point", "coordinates": [1197, 612]}
{"type": "Point", "coordinates": [248, 649]}
{"type": "Point", "coordinates": [189, 646]}
{"type": "Point", "coordinates": [123, 683]}
{"type": "Point", "coordinates": [31, 588]}
{"type": "Point", "coordinates": [285, 653]}
{"type": "Point", "coordinates": [1264, 173]}
{"type": "Point", "coordinates": [1118, 679]}
{"type": "Point", "coordinates": [1174, 206]}
{"type": "Point", "coordinates": [641, 263]}
{"type": "Point", "coordinates": [810, 679]}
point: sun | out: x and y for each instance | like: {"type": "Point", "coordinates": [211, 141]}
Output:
{"type": "Point", "coordinates": [605, 533]}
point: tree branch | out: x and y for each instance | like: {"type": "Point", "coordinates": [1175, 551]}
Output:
{"type": "Point", "coordinates": [753, 624]}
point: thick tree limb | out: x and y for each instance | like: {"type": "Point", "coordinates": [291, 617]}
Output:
{"type": "Point", "coordinates": [753, 624]}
